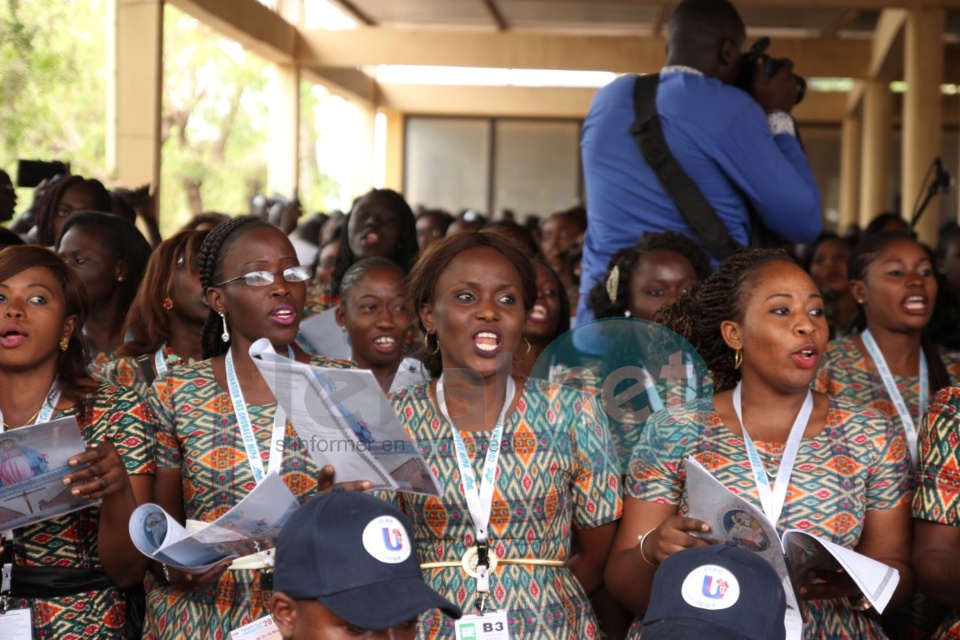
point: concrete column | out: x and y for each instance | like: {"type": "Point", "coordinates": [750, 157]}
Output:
{"type": "Point", "coordinates": [875, 165]}
{"type": "Point", "coordinates": [850, 172]}
{"type": "Point", "coordinates": [922, 112]}
{"type": "Point", "coordinates": [134, 93]}
{"type": "Point", "coordinates": [396, 132]}
{"type": "Point", "coordinates": [283, 141]}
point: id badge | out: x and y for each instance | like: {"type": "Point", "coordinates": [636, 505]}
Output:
{"type": "Point", "coordinates": [16, 624]}
{"type": "Point", "coordinates": [263, 629]}
{"type": "Point", "coordinates": [492, 625]}
{"type": "Point", "coordinates": [793, 623]}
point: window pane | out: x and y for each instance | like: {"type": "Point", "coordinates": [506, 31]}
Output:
{"type": "Point", "coordinates": [447, 163]}
{"type": "Point", "coordinates": [537, 166]}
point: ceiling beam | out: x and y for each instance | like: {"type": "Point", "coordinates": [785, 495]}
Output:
{"type": "Point", "coordinates": [354, 12]}
{"type": "Point", "coordinates": [620, 54]}
{"type": "Point", "coordinates": [886, 55]}
{"type": "Point", "coordinates": [253, 25]}
{"type": "Point", "coordinates": [815, 4]}
{"type": "Point", "coordinates": [351, 84]}
{"type": "Point", "coordinates": [844, 21]}
{"type": "Point", "coordinates": [659, 18]}
{"type": "Point", "coordinates": [495, 15]}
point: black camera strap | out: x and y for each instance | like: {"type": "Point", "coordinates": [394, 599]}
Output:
{"type": "Point", "coordinates": [698, 213]}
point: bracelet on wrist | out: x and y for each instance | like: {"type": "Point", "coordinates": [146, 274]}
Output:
{"type": "Point", "coordinates": [643, 555]}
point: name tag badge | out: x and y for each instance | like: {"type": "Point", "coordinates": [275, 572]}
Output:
{"type": "Point", "coordinates": [263, 629]}
{"type": "Point", "coordinates": [16, 624]}
{"type": "Point", "coordinates": [793, 623]}
{"type": "Point", "coordinates": [492, 625]}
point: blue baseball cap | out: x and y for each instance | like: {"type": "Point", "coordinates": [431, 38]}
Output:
{"type": "Point", "coordinates": [356, 555]}
{"type": "Point", "coordinates": [719, 592]}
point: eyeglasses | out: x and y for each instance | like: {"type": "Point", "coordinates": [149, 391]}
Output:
{"type": "Point", "coordinates": [299, 273]}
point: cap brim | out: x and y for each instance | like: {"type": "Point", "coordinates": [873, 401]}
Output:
{"type": "Point", "coordinates": [387, 604]}
{"type": "Point", "coordinates": [688, 629]}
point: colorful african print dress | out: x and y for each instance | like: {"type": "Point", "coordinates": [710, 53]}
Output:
{"type": "Point", "coordinates": [859, 462]}
{"type": "Point", "coordinates": [556, 472]}
{"type": "Point", "coordinates": [938, 476]}
{"type": "Point", "coordinates": [128, 371]}
{"type": "Point", "coordinates": [319, 298]}
{"type": "Point", "coordinates": [197, 433]}
{"type": "Point", "coordinates": [110, 413]}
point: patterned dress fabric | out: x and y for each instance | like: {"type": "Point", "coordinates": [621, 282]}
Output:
{"type": "Point", "coordinates": [110, 413]}
{"type": "Point", "coordinates": [938, 476]}
{"type": "Point", "coordinates": [557, 472]}
{"type": "Point", "coordinates": [859, 462]}
{"type": "Point", "coordinates": [319, 299]}
{"type": "Point", "coordinates": [197, 433]}
{"type": "Point", "coordinates": [127, 372]}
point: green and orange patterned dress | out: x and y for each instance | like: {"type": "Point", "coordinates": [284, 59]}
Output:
{"type": "Point", "coordinates": [197, 433]}
{"type": "Point", "coordinates": [557, 472]}
{"type": "Point", "coordinates": [319, 298]}
{"type": "Point", "coordinates": [110, 413]}
{"type": "Point", "coordinates": [858, 463]}
{"type": "Point", "coordinates": [938, 476]}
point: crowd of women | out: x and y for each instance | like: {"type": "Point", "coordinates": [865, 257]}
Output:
{"type": "Point", "coordinates": [838, 381]}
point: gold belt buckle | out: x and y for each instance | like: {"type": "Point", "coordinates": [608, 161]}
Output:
{"type": "Point", "coordinates": [471, 558]}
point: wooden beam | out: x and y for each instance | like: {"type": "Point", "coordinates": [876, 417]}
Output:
{"type": "Point", "coordinates": [248, 22]}
{"type": "Point", "coordinates": [354, 12]}
{"type": "Point", "coordinates": [844, 21]}
{"type": "Point", "coordinates": [621, 54]}
{"type": "Point", "coordinates": [351, 84]}
{"type": "Point", "coordinates": [659, 18]}
{"type": "Point", "coordinates": [855, 98]}
{"type": "Point", "coordinates": [495, 15]}
{"type": "Point", "coordinates": [814, 4]}
{"type": "Point", "coordinates": [886, 55]}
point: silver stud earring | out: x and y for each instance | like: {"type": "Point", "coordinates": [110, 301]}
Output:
{"type": "Point", "coordinates": [225, 336]}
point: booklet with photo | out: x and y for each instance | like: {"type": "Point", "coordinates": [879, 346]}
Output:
{"type": "Point", "coordinates": [344, 420]}
{"type": "Point", "coordinates": [733, 520]}
{"type": "Point", "coordinates": [33, 461]}
{"type": "Point", "coordinates": [250, 527]}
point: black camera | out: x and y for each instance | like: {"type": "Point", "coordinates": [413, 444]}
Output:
{"type": "Point", "coordinates": [770, 68]}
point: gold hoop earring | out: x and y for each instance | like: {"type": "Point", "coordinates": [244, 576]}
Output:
{"type": "Point", "coordinates": [737, 358]}
{"type": "Point", "coordinates": [426, 345]}
{"type": "Point", "coordinates": [528, 346]}
{"type": "Point", "coordinates": [64, 343]}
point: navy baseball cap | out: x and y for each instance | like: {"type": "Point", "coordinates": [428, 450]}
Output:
{"type": "Point", "coordinates": [356, 555]}
{"type": "Point", "coordinates": [719, 592]}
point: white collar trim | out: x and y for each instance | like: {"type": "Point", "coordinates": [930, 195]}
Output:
{"type": "Point", "coordinates": [676, 68]}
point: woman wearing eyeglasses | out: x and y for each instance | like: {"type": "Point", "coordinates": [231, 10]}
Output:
{"type": "Point", "coordinates": [255, 288]}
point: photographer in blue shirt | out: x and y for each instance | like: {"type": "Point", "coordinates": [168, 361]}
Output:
{"type": "Point", "coordinates": [741, 150]}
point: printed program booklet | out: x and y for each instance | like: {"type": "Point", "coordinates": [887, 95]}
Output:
{"type": "Point", "coordinates": [33, 461]}
{"type": "Point", "coordinates": [251, 526]}
{"type": "Point", "coordinates": [344, 420]}
{"type": "Point", "coordinates": [733, 520]}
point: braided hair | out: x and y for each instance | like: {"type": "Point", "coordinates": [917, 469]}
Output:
{"type": "Point", "coordinates": [698, 313]}
{"type": "Point", "coordinates": [610, 297]}
{"type": "Point", "coordinates": [210, 260]}
{"type": "Point", "coordinates": [862, 255]}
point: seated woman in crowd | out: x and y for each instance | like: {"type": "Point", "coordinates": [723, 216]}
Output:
{"type": "Point", "coordinates": [431, 226]}
{"type": "Point", "coordinates": [110, 257]}
{"type": "Point", "coordinates": [758, 323]}
{"type": "Point", "coordinates": [545, 447]}
{"type": "Point", "coordinates": [648, 276]}
{"type": "Point", "coordinates": [166, 318]}
{"type": "Point", "coordinates": [255, 289]}
{"type": "Point", "coordinates": [548, 320]}
{"type": "Point", "coordinates": [380, 225]}
{"type": "Point", "coordinates": [826, 262]}
{"type": "Point", "coordinates": [375, 314]}
{"type": "Point", "coordinates": [936, 512]}
{"type": "Point", "coordinates": [64, 197]}
{"type": "Point", "coordinates": [890, 365]}
{"type": "Point", "coordinates": [79, 561]}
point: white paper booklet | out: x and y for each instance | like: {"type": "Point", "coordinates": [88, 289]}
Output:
{"type": "Point", "coordinates": [33, 461]}
{"type": "Point", "coordinates": [344, 420]}
{"type": "Point", "coordinates": [251, 526]}
{"type": "Point", "coordinates": [733, 520]}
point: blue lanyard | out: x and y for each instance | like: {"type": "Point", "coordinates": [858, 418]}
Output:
{"type": "Point", "coordinates": [160, 362]}
{"type": "Point", "coordinates": [277, 438]}
{"type": "Point", "coordinates": [909, 427]}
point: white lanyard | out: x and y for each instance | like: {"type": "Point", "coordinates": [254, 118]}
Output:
{"type": "Point", "coordinates": [479, 502]}
{"type": "Point", "coordinates": [160, 361]}
{"type": "Point", "coordinates": [48, 407]}
{"type": "Point", "coordinates": [909, 427]}
{"type": "Point", "coordinates": [653, 396]}
{"type": "Point", "coordinates": [277, 437]}
{"type": "Point", "coordinates": [772, 500]}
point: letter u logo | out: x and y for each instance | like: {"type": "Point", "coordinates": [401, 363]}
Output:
{"type": "Point", "coordinates": [712, 589]}
{"type": "Point", "coordinates": [392, 539]}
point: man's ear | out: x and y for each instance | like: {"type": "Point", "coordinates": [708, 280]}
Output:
{"type": "Point", "coordinates": [858, 291]}
{"type": "Point", "coordinates": [283, 608]}
{"type": "Point", "coordinates": [730, 331]}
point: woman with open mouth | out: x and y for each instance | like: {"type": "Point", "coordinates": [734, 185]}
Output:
{"type": "Point", "coordinates": [826, 466]}
{"type": "Point", "coordinates": [69, 571]}
{"type": "Point", "coordinates": [375, 314]}
{"type": "Point", "coordinates": [539, 453]}
{"type": "Point", "coordinates": [255, 288]}
{"type": "Point", "coordinates": [548, 320]}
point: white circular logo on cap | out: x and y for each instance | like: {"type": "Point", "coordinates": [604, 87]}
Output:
{"type": "Point", "coordinates": [710, 587]}
{"type": "Point", "coordinates": [385, 539]}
